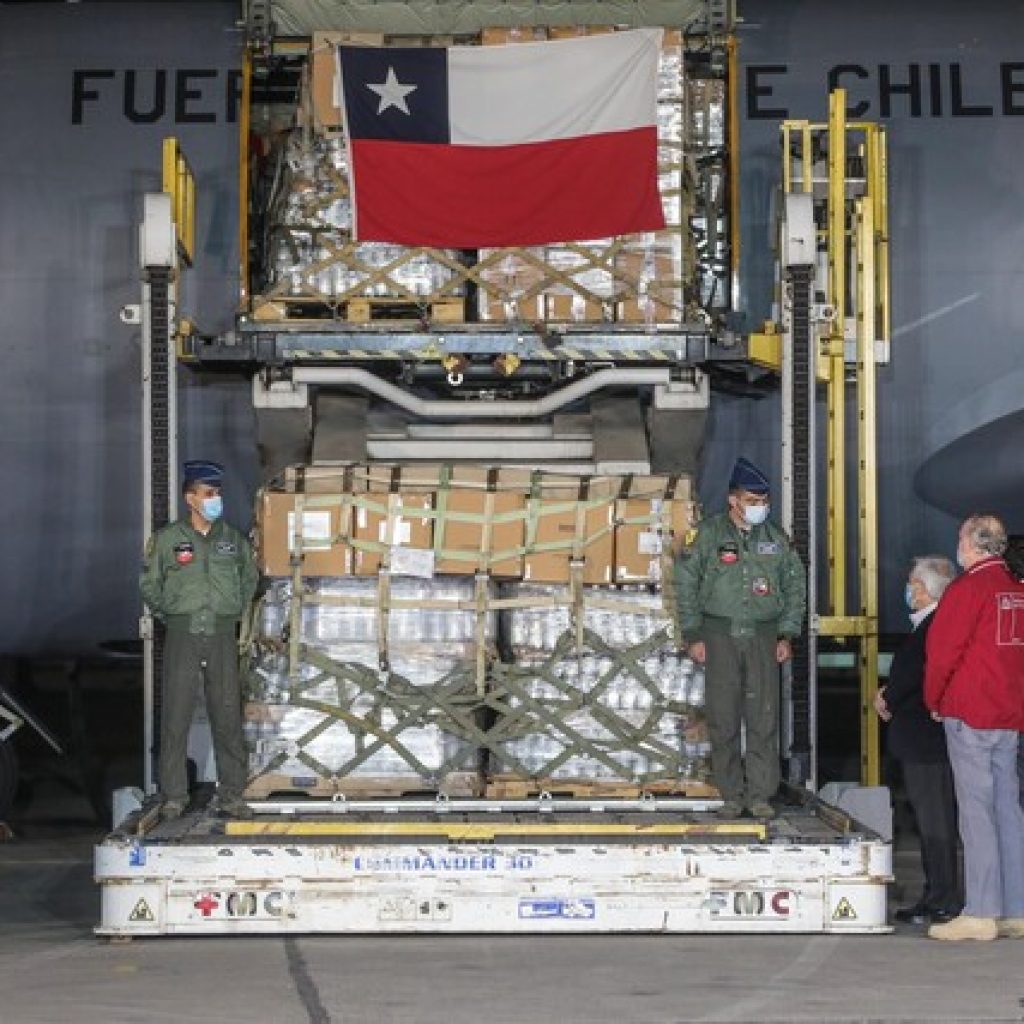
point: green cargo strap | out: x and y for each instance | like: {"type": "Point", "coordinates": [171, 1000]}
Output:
{"type": "Point", "coordinates": [440, 510]}
{"type": "Point", "coordinates": [383, 616]}
{"type": "Point", "coordinates": [480, 629]}
{"type": "Point", "coordinates": [295, 610]}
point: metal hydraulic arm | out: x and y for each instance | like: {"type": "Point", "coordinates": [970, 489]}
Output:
{"type": "Point", "coordinates": [836, 300]}
{"type": "Point", "coordinates": [166, 239]}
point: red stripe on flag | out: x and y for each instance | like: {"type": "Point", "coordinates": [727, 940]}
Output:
{"type": "Point", "coordinates": [467, 197]}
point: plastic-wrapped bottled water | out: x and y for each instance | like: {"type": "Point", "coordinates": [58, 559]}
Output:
{"type": "Point", "coordinates": [696, 687]}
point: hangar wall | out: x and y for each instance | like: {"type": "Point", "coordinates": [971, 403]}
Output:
{"type": "Point", "coordinates": [948, 81]}
{"type": "Point", "coordinates": [87, 91]}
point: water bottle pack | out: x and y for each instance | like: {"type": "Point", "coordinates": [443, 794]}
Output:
{"type": "Point", "coordinates": [313, 223]}
{"type": "Point", "coordinates": [328, 620]}
{"type": "Point", "coordinates": [539, 628]}
{"type": "Point", "coordinates": [337, 744]}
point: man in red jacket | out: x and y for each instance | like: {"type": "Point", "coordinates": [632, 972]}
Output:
{"type": "Point", "coordinates": [974, 682]}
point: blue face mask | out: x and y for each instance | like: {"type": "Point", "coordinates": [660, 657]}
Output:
{"type": "Point", "coordinates": [908, 596]}
{"type": "Point", "coordinates": [755, 514]}
{"type": "Point", "coordinates": [213, 508]}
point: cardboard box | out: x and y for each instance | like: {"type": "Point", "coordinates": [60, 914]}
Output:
{"type": "Point", "coordinates": [324, 550]}
{"type": "Point", "coordinates": [505, 282]}
{"type": "Point", "coordinates": [400, 527]}
{"type": "Point", "coordinates": [574, 31]}
{"type": "Point", "coordinates": [574, 308]}
{"type": "Point", "coordinates": [660, 274]}
{"type": "Point", "coordinates": [598, 545]}
{"type": "Point", "coordinates": [675, 488]}
{"type": "Point", "coordinates": [323, 479]}
{"type": "Point", "coordinates": [469, 537]}
{"type": "Point", "coordinates": [516, 34]}
{"type": "Point", "coordinates": [639, 546]}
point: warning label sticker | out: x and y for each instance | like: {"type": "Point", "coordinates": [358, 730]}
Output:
{"type": "Point", "coordinates": [141, 912]}
{"type": "Point", "coordinates": [844, 911]}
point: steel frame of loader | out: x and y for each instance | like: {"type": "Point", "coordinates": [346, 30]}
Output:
{"type": "Point", "coordinates": [471, 866]}
{"type": "Point", "coordinates": [474, 866]}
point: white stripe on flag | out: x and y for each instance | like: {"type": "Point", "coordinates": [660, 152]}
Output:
{"type": "Point", "coordinates": [538, 92]}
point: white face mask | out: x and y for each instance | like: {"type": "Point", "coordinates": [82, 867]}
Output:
{"type": "Point", "coordinates": [756, 514]}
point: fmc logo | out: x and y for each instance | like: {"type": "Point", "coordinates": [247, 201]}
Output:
{"type": "Point", "coordinates": [750, 902]}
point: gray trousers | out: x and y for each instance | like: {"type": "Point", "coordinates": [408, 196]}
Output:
{"type": "Point", "coordinates": [991, 820]}
{"type": "Point", "coordinates": [189, 661]}
{"type": "Point", "coordinates": [1020, 767]}
{"type": "Point", "coordinates": [743, 686]}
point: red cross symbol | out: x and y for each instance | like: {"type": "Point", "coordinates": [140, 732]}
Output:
{"type": "Point", "coordinates": [207, 905]}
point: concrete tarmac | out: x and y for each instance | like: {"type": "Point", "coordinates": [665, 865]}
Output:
{"type": "Point", "coordinates": [53, 970]}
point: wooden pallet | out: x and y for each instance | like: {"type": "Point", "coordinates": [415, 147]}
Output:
{"type": "Point", "coordinates": [383, 309]}
{"type": "Point", "coordinates": [514, 787]}
{"type": "Point", "coordinates": [363, 787]}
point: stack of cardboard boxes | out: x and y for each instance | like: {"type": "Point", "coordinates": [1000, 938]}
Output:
{"type": "Point", "coordinates": [634, 279]}
{"type": "Point", "coordinates": [451, 616]}
{"type": "Point", "coordinates": [442, 520]}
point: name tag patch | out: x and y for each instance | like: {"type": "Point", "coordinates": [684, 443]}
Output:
{"type": "Point", "coordinates": [184, 553]}
{"type": "Point", "coordinates": [767, 547]}
{"type": "Point", "coordinates": [225, 547]}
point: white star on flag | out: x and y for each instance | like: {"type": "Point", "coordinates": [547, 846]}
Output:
{"type": "Point", "coordinates": [392, 93]}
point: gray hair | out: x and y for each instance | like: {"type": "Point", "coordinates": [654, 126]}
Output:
{"type": "Point", "coordinates": [935, 572]}
{"type": "Point", "coordinates": [986, 533]}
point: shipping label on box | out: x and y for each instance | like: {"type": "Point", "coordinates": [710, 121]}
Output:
{"type": "Point", "coordinates": [316, 531]}
{"type": "Point", "coordinates": [417, 562]}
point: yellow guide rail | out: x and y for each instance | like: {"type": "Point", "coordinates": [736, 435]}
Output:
{"type": "Point", "coordinates": [180, 184]}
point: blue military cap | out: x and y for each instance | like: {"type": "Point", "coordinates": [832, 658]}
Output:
{"type": "Point", "coordinates": [203, 471]}
{"type": "Point", "coordinates": [747, 477]}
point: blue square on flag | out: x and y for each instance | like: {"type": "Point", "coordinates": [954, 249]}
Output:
{"type": "Point", "coordinates": [399, 93]}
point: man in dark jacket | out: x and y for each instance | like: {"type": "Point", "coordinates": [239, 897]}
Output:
{"type": "Point", "coordinates": [198, 578]}
{"type": "Point", "coordinates": [974, 681]}
{"type": "Point", "coordinates": [918, 742]}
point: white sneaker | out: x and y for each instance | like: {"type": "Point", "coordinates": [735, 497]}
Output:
{"type": "Point", "coordinates": [980, 929]}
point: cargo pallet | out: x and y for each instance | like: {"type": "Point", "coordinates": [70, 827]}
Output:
{"type": "Point", "coordinates": [376, 309]}
{"type": "Point", "coordinates": [483, 866]}
{"type": "Point", "coordinates": [284, 785]}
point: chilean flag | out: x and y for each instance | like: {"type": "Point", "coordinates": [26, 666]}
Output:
{"type": "Point", "coordinates": [489, 146]}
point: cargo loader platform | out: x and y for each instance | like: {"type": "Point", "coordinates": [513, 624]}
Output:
{"type": "Point", "coordinates": [474, 866]}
